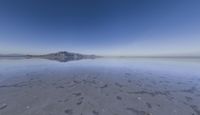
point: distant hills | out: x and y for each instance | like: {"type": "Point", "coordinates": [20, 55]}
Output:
{"type": "Point", "coordinates": [62, 56]}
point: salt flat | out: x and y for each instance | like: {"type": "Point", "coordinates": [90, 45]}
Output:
{"type": "Point", "coordinates": [100, 87]}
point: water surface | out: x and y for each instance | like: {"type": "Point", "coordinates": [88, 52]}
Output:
{"type": "Point", "coordinates": [100, 87]}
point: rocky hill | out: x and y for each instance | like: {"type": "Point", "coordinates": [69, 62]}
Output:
{"type": "Point", "coordinates": [63, 56]}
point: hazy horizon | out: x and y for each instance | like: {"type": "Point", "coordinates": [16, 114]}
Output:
{"type": "Point", "coordinates": [134, 56]}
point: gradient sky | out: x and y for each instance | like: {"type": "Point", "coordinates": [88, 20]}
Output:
{"type": "Point", "coordinates": [106, 27]}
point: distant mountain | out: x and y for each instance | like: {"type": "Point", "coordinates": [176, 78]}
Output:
{"type": "Point", "coordinates": [63, 56]}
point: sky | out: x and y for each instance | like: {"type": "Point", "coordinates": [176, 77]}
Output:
{"type": "Point", "coordinates": [104, 27]}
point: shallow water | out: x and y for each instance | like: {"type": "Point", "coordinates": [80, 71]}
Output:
{"type": "Point", "coordinates": [184, 67]}
{"type": "Point", "coordinates": [100, 87]}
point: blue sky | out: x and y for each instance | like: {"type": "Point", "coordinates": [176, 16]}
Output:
{"type": "Point", "coordinates": [106, 27]}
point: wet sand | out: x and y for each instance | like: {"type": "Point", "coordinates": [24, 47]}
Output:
{"type": "Point", "coordinates": [100, 90]}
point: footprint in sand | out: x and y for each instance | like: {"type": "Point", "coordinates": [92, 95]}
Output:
{"type": "Point", "coordinates": [105, 86]}
{"type": "Point", "coordinates": [137, 112]}
{"type": "Point", "coordinates": [119, 98]}
{"type": "Point", "coordinates": [69, 111]}
{"type": "Point", "coordinates": [77, 94]}
{"type": "Point", "coordinates": [148, 105]}
{"type": "Point", "coordinates": [3, 106]}
{"type": "Point", "coordinates": [95, 112]}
